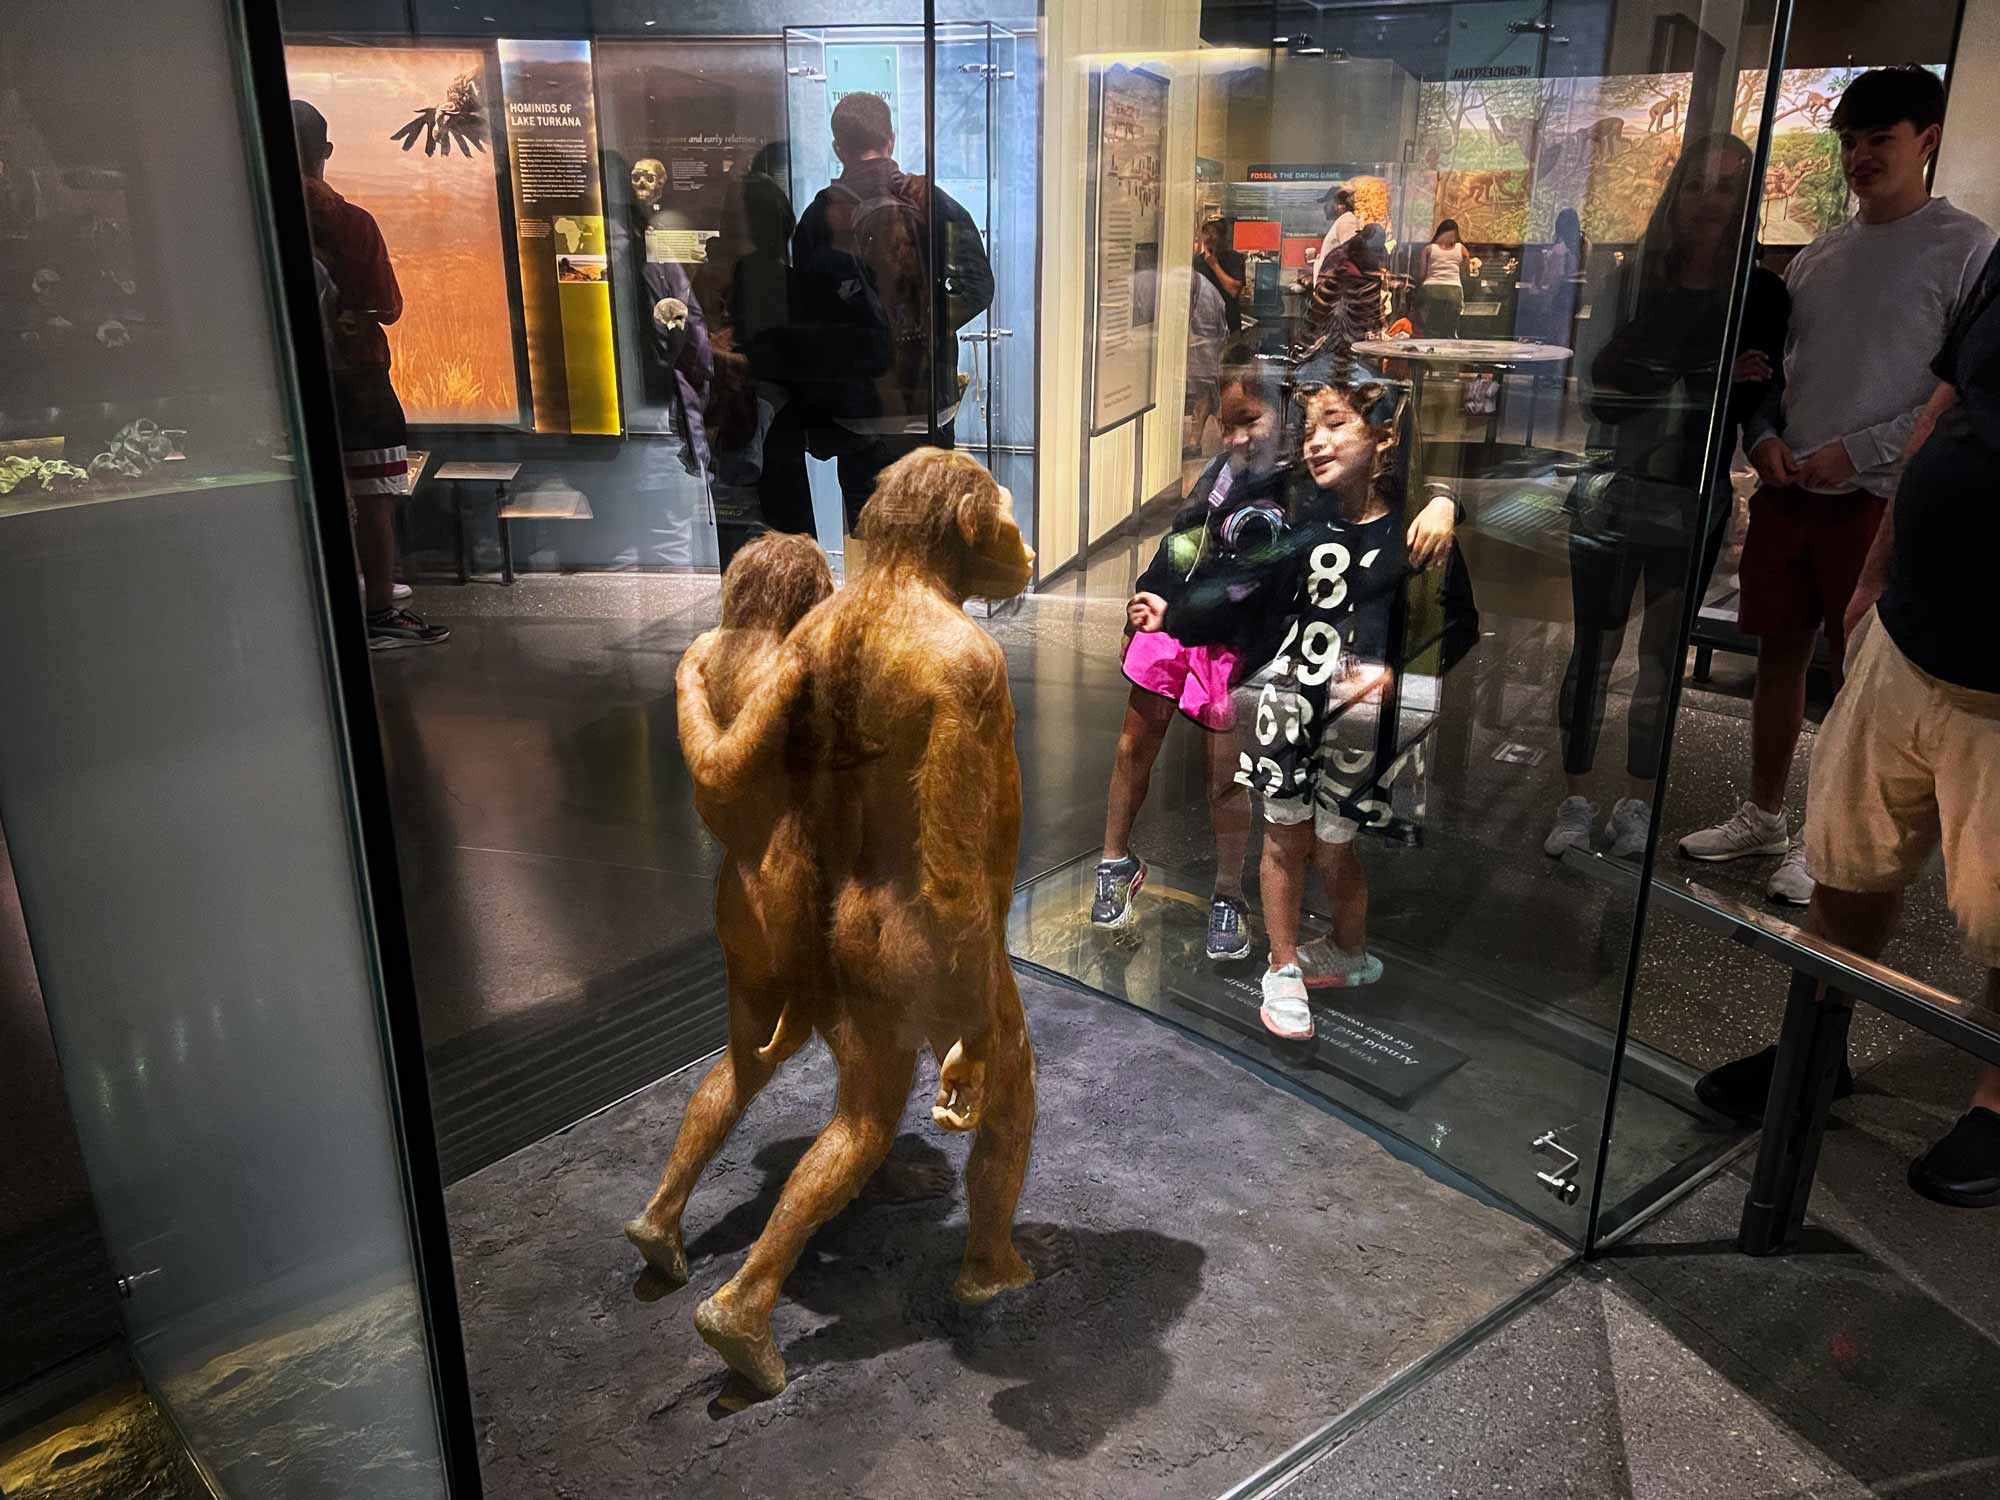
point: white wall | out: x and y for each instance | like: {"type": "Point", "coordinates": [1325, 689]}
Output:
{"type": "Point", "coordinates": [1968, 169]}
{"type": "Point", "coordinates": [1079, 36]}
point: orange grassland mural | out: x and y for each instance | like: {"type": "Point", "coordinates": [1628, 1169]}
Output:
{"type": "Point", "coordinates": [454, 346]}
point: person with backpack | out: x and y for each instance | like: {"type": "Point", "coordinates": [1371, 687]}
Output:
{"type": "Point", "coordinates": [895, 266]}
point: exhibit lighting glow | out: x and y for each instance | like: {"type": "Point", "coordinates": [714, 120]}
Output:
{"type": "Point", "coordinates": [1310, 52]}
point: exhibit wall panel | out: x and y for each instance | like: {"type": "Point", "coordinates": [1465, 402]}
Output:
{"type": "Point", "coordinates": [1080, 37]}
{"type": "Point", "coordinates": [453, 346]}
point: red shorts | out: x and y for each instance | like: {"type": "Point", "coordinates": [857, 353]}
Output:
{"type": "Point", "coordinates": [1802, 560]}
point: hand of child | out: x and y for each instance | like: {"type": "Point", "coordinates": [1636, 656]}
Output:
{"type": "Point", "coordinates": [1145, 611]}
{"type": "Point", "coordinates": [1429, 538]}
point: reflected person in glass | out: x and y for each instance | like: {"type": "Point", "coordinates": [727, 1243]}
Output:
{"type": "Point", "coordinates": [1441, 270]}
{"type": "Point", "coordinates": [1908, 760]}
{"type": "Point", "coordinates": [360, 285]}
{"type": "Point", "coordinates": [1235, 504]}
{"type": "Point", "coordinates": [1871, 301]}
{"type": "Point", "coordinates": [868, 242]}
{"type": "Point", "coordinates": [1648, 384]}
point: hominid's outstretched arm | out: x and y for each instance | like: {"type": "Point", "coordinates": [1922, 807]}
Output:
{"type": "Point", "coordinates": [724, 762]}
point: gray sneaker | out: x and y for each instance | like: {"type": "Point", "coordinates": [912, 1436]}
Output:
{"type": "Point", "coordinates": [396, 629]}
{"type": "Point", "coordinates": [1572, 830]}
{"type": "Point", "coordinates": [1631, 822]}
{"type": "Point", "coordinates": [1118, 881]}
{"type": "Point", "coordinates": [1790, 883]}
{"type": "Point", "coordinates": [1750, 831]}
{"type": "Point", "coordinates": [1228, 933]}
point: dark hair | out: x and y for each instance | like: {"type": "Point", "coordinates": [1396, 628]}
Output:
{"type": "Point", "coordinates": [1344, 196]}
{"type": "Point", "coordinates": [861, 123]}
{"type": "Point", "coordinates": [1660, 250]}
{"type": "Point", "coordinates": [1376, 402]}
{"type": "Point", "coordinates": [309, 126]}
{"type": "Point", "coordinates": [1261, 380]}
{"type": "Point", "coordinates": [1885, 96]}
{"type": "Point", "coordinates": [1443, 225]}
{"type": "Point", "coordinates": [1569, 231]}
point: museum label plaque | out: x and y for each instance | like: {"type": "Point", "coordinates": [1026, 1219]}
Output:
{"type": "Point", "coordinates": [1393, 1061]}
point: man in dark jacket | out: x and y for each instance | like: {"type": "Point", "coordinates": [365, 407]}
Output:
{"type": "Point", "coordinates": [897, 267]}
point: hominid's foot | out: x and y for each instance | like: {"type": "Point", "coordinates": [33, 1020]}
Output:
{"type": "Point", "coordinates": [983, 1278]}
{"type": "Point", "coordinates": [744, 1343]}
{"type": "Point", "coordinates": [661, 1247]}
{"type": "Point", "coordinates": [1037, 1251]}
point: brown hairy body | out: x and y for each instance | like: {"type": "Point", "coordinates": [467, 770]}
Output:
{"type": "Point", "coordinates": [765, 892]}
{"type": "Point", "coordinates": [887, 867]}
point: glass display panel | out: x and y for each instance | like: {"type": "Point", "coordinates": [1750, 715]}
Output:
{"type": "Point", "coordinates": [1772, 690]}
{"type": "Point", "coordinates": [212, 986]}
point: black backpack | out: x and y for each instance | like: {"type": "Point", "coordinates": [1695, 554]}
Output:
{"type": "Point", "coordinates": [890, 237]}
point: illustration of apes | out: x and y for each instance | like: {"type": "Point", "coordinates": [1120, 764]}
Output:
{"type": "Point", "coordinates": [862, 779]}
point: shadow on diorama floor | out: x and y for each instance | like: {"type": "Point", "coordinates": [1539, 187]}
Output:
{"type": "Point", "coordinates": [1225, 1267]}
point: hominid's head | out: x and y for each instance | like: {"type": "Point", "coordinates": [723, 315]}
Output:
{"type": "Point", "coordinates": [940, 512]}
{"type": "Point", "coordinates": [773, 582]}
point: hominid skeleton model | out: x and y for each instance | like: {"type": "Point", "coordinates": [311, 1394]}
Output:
{"type": "Point", "coordinates": [869, 797]}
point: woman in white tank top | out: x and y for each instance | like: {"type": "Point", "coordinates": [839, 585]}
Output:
{"type": "Point", "coordinates": [1441, 283]}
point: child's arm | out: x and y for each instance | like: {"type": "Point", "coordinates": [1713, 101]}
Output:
{"type": "Point", "coordinates": [723, 764]}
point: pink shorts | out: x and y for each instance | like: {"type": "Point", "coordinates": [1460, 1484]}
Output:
{"type": "Point", "coordinates": [1197, 678]}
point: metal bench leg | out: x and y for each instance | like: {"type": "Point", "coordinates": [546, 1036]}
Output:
{"type": "Point", "coordinates": [464, 544]}
{"type": "Point", "coordinates": [1704, 663]}
{"type": "Point", "coordinates": [506, 536]}
{"type": "Point", "coordinates": [1811, 1047]}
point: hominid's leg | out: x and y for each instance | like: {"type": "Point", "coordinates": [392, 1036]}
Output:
{"type": "Point", "coordinates": [998, 1165]}
{"type": "Point", "coordinates": [758, 1047]}
{"type": "Point", "coordinates": [874, 1085]}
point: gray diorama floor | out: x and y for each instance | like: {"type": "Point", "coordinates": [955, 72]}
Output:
{"type": "Point", "coordinates": [1231, 1267]}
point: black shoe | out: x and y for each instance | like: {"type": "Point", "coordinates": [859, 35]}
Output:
{"type": "Point", "coordinates": [394, 629]}
{"type": "Point", "coordinates": [1963, 1169]}
{"type": "Point", "coordinates": [1739, 1089]}
{"type": "Point", "coordinates": [1118, 881]}
{"type": "Point", "coordinates": [1228, 933]}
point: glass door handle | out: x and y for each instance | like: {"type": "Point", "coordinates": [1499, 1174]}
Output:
{"type": "Point", "coordinates": [127, 1285]}
{"type": "Point", "coordinates": [1559, 1181]}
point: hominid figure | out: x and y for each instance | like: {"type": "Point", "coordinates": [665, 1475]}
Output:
{"type": "Point", "coordinates": [887, 721]}
{"type": "Point", "coordinates": [765, 899]}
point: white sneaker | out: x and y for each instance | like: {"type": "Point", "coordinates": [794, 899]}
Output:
{"type": "Point", "coordinates": [1285, 1011]}
{"type": "Point", "coordinates": [1631, 821]}
{"type": "Point", "coordinates": [400, 591]}
{"type": "Point", "coordinates": [1323, 966]}
{"type": "Point", "coordinates": [1572, 830]}
{"type": "Point", "coordinates": [1751, 831]}
{"type": "Point", "coordinates": [1790, 883]}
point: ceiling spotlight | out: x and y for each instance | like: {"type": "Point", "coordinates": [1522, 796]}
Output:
{"type": "Point", "coordinates": [1530, 28]}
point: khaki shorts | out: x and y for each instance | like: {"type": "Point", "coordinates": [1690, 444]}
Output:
{"type": "Point", "coordinates": [1906, 763]}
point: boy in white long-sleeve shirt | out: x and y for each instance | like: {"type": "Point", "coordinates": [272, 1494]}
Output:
{"type": "Point", "coordinates": [1871, 302]}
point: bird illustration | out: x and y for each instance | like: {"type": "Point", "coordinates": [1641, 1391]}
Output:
{"type": "Point", "coordinates": [460, 118]}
